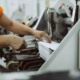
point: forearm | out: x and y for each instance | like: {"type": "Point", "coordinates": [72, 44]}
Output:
{"type": "Point", "coordinates": [20, 29]}
{"type": "Point", "coordinates": [4, 41]}
{"type": "Point", "coordinates": [14, 26]}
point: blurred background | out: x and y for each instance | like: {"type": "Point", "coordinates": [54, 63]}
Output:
{"type": "Point", "coordinates": [21, 10]}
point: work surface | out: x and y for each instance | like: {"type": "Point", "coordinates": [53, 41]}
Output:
{"type": "Point", "coordinates": [73, 75]}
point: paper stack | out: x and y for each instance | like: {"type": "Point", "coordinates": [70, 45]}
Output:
{"type": "Point", "coordinates": [45, 49]}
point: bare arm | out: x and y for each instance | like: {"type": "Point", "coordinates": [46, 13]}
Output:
{"type": "Point", "coordinates": [14, 26]}
{"type": "Point", "coordinates": [21, 29]}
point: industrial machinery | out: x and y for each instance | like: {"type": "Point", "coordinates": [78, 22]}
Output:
{"type": "Point", "coordinates": [67, 55]}
{"type": "Point", "coordinates": [62, 25]}
{"type": "Point", "coordinates": [56, 24]}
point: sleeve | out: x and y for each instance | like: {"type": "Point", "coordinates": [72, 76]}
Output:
{"type": "Point", "coordinates": [1, 10]}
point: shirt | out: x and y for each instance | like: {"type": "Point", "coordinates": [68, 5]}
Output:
{"type": "Point", "coordinates": [1, 10]}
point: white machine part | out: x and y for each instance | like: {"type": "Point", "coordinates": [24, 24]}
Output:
{"type": "Point", "coordinates": [46, 49]}
{"type": "Point", "coordinates": [66, 4]}
{"type": "Point", "coordinates": [58, 3]}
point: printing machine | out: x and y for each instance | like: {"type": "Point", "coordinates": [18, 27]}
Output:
{"type": "Point", "coordinates": [62, 25]}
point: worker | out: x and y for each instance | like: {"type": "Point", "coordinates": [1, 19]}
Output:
{"type": "Point", "coordinates": [17, 43]}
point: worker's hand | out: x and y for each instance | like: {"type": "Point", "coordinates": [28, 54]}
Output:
{"type": "Point", "coordinates": [17, 43]}
{"type": "Point", "coordinates": [40, 34]}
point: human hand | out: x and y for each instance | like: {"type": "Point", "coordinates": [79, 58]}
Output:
{"type": "Point", "coordinates": [40, 34]}
{"type": "Point", "coordinates": [17, 43]}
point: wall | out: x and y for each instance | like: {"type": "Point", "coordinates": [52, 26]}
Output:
{"type": "Point", "coordinates": [73, 1]}
{"type": "Point", "coordinates": [4, 5]}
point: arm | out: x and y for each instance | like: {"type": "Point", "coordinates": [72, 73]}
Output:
{"type": "Point", "coordinates": [14, 26]}
{"type": "Point", "coordinates": [21, 29]}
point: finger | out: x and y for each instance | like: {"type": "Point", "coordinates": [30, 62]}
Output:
{"type": "Point", "coordinates": [22, 46]}
{"type": "Point", "coordinates": [47, 38]}
{"type": "Point", "coordinates": [25, 44]}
